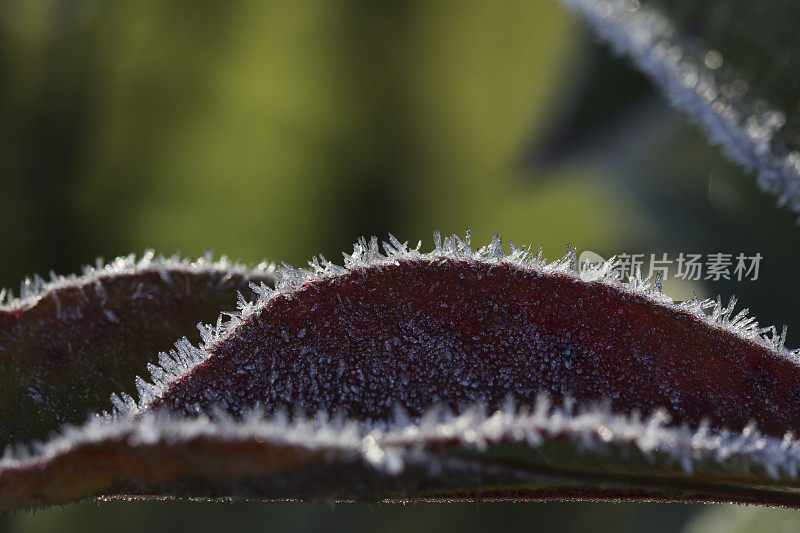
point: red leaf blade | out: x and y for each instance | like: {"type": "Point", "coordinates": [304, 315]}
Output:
{"type": "Point", "coordinates": [418, 330]}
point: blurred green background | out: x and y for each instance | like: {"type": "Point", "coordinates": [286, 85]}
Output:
{"type": "Point", "coordinates": [280, 130]}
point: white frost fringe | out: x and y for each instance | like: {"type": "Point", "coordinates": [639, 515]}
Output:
{"type": "Point", "coordinates": [34, 288]}
{"type": "Point", "coordinates": [743, 129]}
{"type": "Point", "coordinates": [390, 446]}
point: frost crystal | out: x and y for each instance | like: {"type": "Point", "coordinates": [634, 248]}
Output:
{"type": "Point", "coordinates": [404, 370]}
{"type": "Point", "coordinates": [693, 81]}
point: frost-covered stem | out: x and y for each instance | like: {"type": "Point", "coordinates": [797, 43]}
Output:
{"type": "Point", "coordinates": [711, 95]}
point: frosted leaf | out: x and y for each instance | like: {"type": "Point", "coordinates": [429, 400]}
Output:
{"type": "Point", "coordinates": [551, 450]}
{"type": "Point", "coordinates": [68, 343]}
{"type": "Point", "coordinates": [709, 59]}
{"type": "Point", "coordinates": [456, 327]}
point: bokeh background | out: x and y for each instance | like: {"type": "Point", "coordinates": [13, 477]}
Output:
{"type": "Point", "coordinates": [279, 130]}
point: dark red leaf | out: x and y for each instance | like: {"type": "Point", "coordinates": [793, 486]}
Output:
{"type": "Point", "coordinates": [65, 346]}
